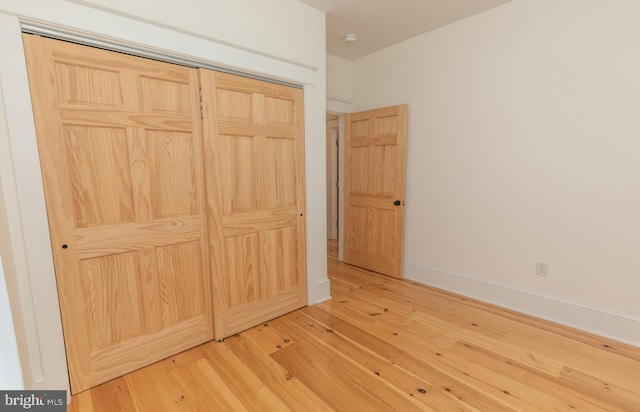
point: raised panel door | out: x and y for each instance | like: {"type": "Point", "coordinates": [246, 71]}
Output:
{"type": "Point", "coordinates": [121, 154]}
{"type": "Point", "coordinates": [254, 163]}
{"type": "Point", "coordinates": [375, 152]}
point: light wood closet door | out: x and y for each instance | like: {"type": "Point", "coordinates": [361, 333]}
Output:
{"type": "Point", "coordinates": [254, 165]}
{"type": "Point", "coordinates": [375, 153]}
{"type": "Point", "coordinates": [120, 150]}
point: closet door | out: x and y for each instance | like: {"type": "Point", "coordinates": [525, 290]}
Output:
{"type": "Point", "coordinates": [120, 151]}
{"type": "Point", "coordinates": [254, 166]}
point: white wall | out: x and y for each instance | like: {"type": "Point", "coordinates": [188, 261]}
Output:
{"type": "Point", "coordinates": [282, 39]}
{"type": "Point", "coordinates": [284, 29]}
{"type": "Point", "coordinates": [10, 370]}
{"type": "Point", "coordinates": [339, 79]}
{"type": "Point", "coordinates": [339, 98]}
{"type": "Point", "coordinates": [523, 143]}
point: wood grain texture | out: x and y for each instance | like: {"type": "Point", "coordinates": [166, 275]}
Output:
{"type": "Point", "coordinates": [375, 153]}
{"type": "Point", "coordinates": [255, 191]}
{"type": "Point", "coordinates": [383, 344]}
{"type": "Point", "coordinates": [121, 153]}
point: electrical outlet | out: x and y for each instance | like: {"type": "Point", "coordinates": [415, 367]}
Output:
{"type": "Point", "coordinates": [542, 269]}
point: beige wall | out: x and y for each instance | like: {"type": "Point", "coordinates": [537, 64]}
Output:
{"type": "Point", "coordinates": [524, 143]}
{"type": "Point", "coordinates": [282, 39]}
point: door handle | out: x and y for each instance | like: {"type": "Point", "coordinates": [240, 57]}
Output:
{"type": "Point", "coordinates": [396, 203]}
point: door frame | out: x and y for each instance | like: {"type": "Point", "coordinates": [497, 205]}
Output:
{"type": "Point", "coordinates": [333, 194]}
{"type": "Point", "coordinates": [340, 109]}
{"type": "Point", "coordinates": [26, 249]}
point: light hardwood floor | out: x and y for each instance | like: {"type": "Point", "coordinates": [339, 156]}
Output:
{"type": "Point", "coordinates": [383, 344]}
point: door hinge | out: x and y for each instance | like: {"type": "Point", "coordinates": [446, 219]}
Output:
{"type": "Point", "coordinates": [201, 108]}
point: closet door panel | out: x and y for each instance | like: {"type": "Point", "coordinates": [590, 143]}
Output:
{"type": "Point", "coordinates": [120, 148]}
{"type": "Point", "coordinates": [254, 167]}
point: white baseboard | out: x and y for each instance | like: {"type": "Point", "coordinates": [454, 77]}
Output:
{"type": "Point", "coordinates": [618, 326]}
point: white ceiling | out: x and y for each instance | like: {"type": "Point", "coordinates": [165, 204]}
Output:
{"type": "Point", "coordinates": [382, 23]}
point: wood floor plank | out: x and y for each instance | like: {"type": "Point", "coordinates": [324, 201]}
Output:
{"type": "Point", "coordinates": [344, 386]}
{"type": "Point", "coordinates": [386, 344]}
{"type": "Point", "coordinates": [414, 332]}
{"type": "Point", "coordinates": [461, 327]}
{"type": "Point", "coordinates": [113, 396]}
{"type": "Point", "coordinates": [609, 367]}
{"type": "Point", "coordinates": [217, 397]}
{"type": "Point", "coordinates": [264, 339]}
{"type": "Point", "coordinates": [521, 395]}
{"type": "Point", "coordinates": [420, 366]}
{"type": "Point", "coordinates": [289, 389]}
{"type": "Point", "coordinates": [241, 380]}
{"type": "Point", "coordinates": [412, 289]}
{"type": "Point", "coordinates": [609, 394]}
{"type": "Point", "coordinates": [153, 388]}
{"type": "Point", "coordinates": [530, 380]}
{"type": "Point", "coordinates": [83, 402]}
{"type": "Point", "coordinates": [403, 381]}
{"type": "Point", "coordinates": [538, 346]}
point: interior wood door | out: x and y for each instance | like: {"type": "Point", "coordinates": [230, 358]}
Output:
{"type": "Point", "coordinates": [254, 163]}
{"type": "Point", "coordinates": [375, 153]}
{"type": "Point", "coordinates": [121, 156]}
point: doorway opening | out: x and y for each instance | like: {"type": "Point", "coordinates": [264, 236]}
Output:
{"type": "Point", "coordinates": [333, 184]}
{"type": "Point", "coordinates": [333, 180]}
